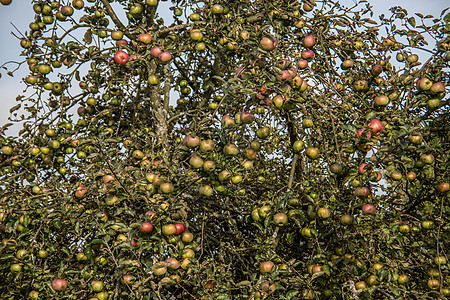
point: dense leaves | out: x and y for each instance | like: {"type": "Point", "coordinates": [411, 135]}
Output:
{"type": "Point", "coordinates": [247, 150]}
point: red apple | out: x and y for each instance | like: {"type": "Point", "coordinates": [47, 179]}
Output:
{"type": "Point", "coordinates": [367, 134]}
{"type": "Point", "coordinates": [155, 51]}
{"type": "Point", "coordinates": [308, 54]}
{"type": "Point", "coordinates": [80, 191]}
{"type": "Point", "coordinates": [375, 127]}
{"type": "Point", "coordinates": [59, 285]}
{"type": "Point", "coordinates": [437, 88]}
{"type": "Point", "coordinates": [121, 57]}
{"type": "Point", "coordinates": [122, 42]}
{"type": "Point", "coordinates": [165, 56]}
{"type": "Point", "coordinates": [146, 227]}
{"type": "Point", "coordinates": [309, 41]}
{"type": "Point", "coordinates": [369, 209]}
{"type": "Point", "coordinates": [266, 267]}
{"type": "Point", "coordinates": [363, 168]}
{"type": "Point", "coordinates": [128, 279]}
{"type": "Point", "coordinates": [302, 64]}
{"type": "Point", "coordinates": [180, 228]}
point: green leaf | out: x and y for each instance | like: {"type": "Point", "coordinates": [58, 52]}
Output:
{"type": "Point", "coordinates": [412, 21]}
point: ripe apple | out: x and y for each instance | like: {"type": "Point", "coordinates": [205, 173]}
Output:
{"type": "Point", "coordinates": [121, 57]}
{"type": "Point", "coordinates": [165, 56]}
{"type": "Point", "coordinates": [361, 131]}
{"type": "Point", "coordinates": [173, 263]}
{"type": "Point", "coordinates": [309, 41]}
{"type": "Point", "coordinates": [347, 64]}
{"type": "Point", "coordinates": [247, 117]}
{"type": "Point", "coordinates": [146, 227]}
{"type": "Point", "coordinates": [307, 55]}
{"type": "Point", "coordinates": [376, 70]}
{"type": "Point", "coordinates": [128, 279]}
{"type": "Point", "coordinates": [302, 64]}
{"type": "Point", "coordinates": [375, 127]}
{"type": "Point", "coordinates": [424, 84]}
{"type": "Point", "coordinates": [437, 88]}
{"type": "Point", "coordinates": [266, 267]}
{"type": "Point", "coordinates": [122, 42]}
{"type": "Point", "coordinates": [268, 43]}
{"type": "Point", "coordinates": [442, 187]}
{"type": "Point", "coordinates": [369, 209]}
{"type": "Point", "coordinates": [363, 168]}
{"type": "Point", "coordinates": [433, 284]}
{"type": "Point", "coordinates": [191, 141]}
{"type": "Point", "coordinates": [107, 178]}
{"type": "Point", "coordinates": [81, 191]}
{"type": "Point", "coordinates": [155, 51]}
{"type": "Point", "coordinates": [381, 100]}
{"type": "Point", "coordinates": [66, 10]}
{"type": "Point", "coordinates": [59, 285]}
{"type": "Point", "coordinates": [180, 228]}
{"type": "Point", "coordinates": [145, 38]}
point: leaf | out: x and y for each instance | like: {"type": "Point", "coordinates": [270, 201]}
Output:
{"type": "Point", "coordinates": [412, 21]}
{"type": "Point", "coordinates": [419, 15]}
{"type": "Point", "coordinates": [88, 37]}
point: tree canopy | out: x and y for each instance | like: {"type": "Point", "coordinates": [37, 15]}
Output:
{"type": "Point", "coordinates": [242, 150]}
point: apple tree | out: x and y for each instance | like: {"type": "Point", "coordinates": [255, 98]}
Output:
{"type": "Point", "coordinates": [235, 150]}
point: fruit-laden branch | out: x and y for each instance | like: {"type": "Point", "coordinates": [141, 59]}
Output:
{"type": "Point", "coordinates": [116, 19]}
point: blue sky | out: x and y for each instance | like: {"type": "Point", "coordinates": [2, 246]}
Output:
{"type": "Point", "coordinates": [20, 14]}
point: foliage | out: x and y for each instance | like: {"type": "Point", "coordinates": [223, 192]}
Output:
{"type": "Point", "coordinates": [270, 157]}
